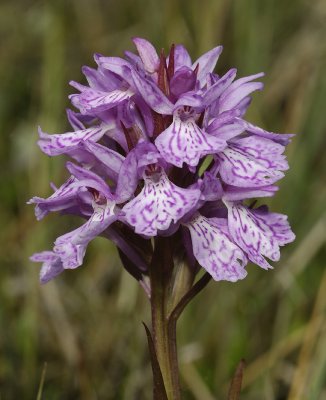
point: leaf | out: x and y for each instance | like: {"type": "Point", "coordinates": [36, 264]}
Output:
{"type": "Point", "coordinates": [40, 389]}
{"type": "Point", "coordinates": [235, 387]}
{"type": "Point", "coordinates": [197, 287]}
{"type": "Point", "coordinates": [159, 392]}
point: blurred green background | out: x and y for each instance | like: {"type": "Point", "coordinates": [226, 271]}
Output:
{"type": "Point", "coordinates": [86, 326]}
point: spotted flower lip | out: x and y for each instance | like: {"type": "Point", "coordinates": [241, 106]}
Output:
{"type": "Point", "coordinates": [159, 147]}
{"type": "Point", "coordinates": [214, 249]}
{"type": "Point", "coordinates": [159, 204]}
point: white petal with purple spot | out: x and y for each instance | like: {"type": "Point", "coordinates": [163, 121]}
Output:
{"type": "Point", "coordinates": [159, 204]}
{"type": "Point", "coordinates": [214, 250]}
{"type": "Point", "coordinates": [258, 233]}
{"type": "Point", "coordinates": [184, 142]}
{"type": "Point", "coordinates": [240, 166]}
{"type": "Point", "coordinates": [268, 153]}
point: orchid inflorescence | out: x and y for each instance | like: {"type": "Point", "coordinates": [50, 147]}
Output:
{"type": "Point", "coordinates": [161, 149]}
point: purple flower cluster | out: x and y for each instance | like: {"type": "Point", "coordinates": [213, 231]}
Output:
{"type": "Point", "coordinates": [161, 148]}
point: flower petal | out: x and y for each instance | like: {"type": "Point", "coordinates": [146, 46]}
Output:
{"type": "Point", "coordinates": [88, 178]}
{"type": "Point", "coordinates": [91, 101]}
{"type": "Point", "coordinates": [184, 141]}
{"type": "Point", "coordinates": [219, 87]}
{"type": "Point", "coordinates": [107, 157]}
{"type": "Point", "coordinates": [71, 247]}
{"type": "Point", "coordinates": [101, 79]}
{"type": "Point", "coordinates": [56, 144]}
{"type": "Point", "coordinates": [118, 66]}
{"type": "Point", "coordinates": [207, 63]}
{"type": "Point", "coordinates": [211, 188]}
{"type": "Point", "coordinates": [258, 233]}
{"type": "Point", "coordinates": [225, 131]}
{"type": "Point", "coordinates": [63, 198]}
{"type": "Point", "coordinates": [252, 162]}
{"type": "Point", "coordinates": [147, 53]}
{"type": "Point", "coordinates": [132, 169]}
{"type": "Point", "coordinates": [74, 120]}
{"type": "Point", "coordinates": [234, 193]}
{"type": "Point", "coordinates": [265, 151]}
{"type": "Point", "coordinates": [158, 205]}
{"type": "Point", "coordinates": [152, 95]}
{"type": "Point", "coordinates": [191, 99]}
{"type": "Point", "coordinates": [282, 139]}
{"type": "Point", "coordinates": [238, 91]}
{"type": "Point", "coordinates": [52, 265]}
{"type": "Point", "coordinates": [181, 57]}
{"type": "Point", "coordinates": [183, 80]}
{"type": "Point", "coordinates": [214, 250]}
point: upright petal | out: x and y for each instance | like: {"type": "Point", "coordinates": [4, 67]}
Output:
{"type": "Point", "coordinates": [238, 91]}
{"type": "Point", "coordinates": [183, 80]}
{"type": "Point", "coordinates": [207, 63]}
{"type": "Point", "coordinates": [158, 205]}
{"type": "Point", "coordinates": [152, 95]}
{"type": "Point", "coordinates": [258, 233]}
{"type": "Point", "coordinates": [147, 53]}
{"type": "Point", "coordinates": [181, 57]}
{"type": "Point", "coordinates": [214, 250]}
{"type": "Point", "coordinates": [219, 87]}
{"type": "Point", "coordinates": [184, 141]}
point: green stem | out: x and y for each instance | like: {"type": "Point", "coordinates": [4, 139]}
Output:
{"type": "Point", "coordinates": [160, 276]}
{"type": "Point", "coordinates": [168, 293]}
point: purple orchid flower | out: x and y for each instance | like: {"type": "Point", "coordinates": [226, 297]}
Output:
{"type": "Point", "coordinates": [144, 128]}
